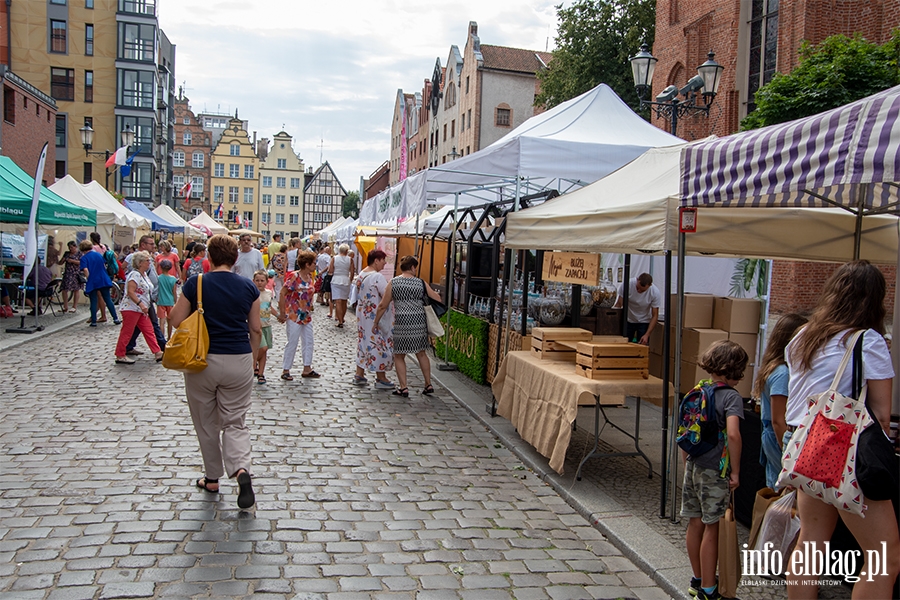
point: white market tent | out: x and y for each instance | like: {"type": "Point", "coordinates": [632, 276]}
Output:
{"type": "Point", "coordinates": [636, 209]}
{"type": "Point", "coordinates": [110, 213]}
{"type": "Point", "coordinates": [205, 223]}
{"type": "Point", "coordinates": [167, 214]}
{"type": "Point", "coordinates": [326, 231]}
{"type": "Point", "coordinates": [568, 146]}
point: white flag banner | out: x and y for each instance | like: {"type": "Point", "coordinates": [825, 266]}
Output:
{"type": "Point", "coordinates": [31, 232]}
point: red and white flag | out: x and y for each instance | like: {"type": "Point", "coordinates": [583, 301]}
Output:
{"type": "Point", "coordinates": [237, 218]}
{"type": "Point", "coordinates": [118, 157]}
{"type": "Point", "coordinates": [186, 188]}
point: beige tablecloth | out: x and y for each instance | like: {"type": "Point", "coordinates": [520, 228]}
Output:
{"type": "Point", "coordinates": [541, 398]}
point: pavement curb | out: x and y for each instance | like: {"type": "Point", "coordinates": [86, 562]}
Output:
{"type": "Point", "coordinates": [625, 531]}
{"type": "Point", "coordinates": [13, 340]}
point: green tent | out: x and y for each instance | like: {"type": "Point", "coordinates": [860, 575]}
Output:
{"type": "Point", "coordinates": [16, 189]}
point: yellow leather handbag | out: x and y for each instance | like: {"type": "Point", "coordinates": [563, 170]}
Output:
{"type": "Point", "coordinates": [186, 349]}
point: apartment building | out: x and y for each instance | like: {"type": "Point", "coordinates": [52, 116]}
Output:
{"type": "Point", "coordinates": [324, 197]}
{"type": "Point", "coordinates": [281, 177]}
{"type": "Point", "coordinates": [191, 160]}
{"type": "Point", "coordinates": [234, 178]}
{"type": "Point", "coordinates": [29, 121]}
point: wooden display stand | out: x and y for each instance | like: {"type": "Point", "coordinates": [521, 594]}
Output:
{"type": "Point", "coordinates": [516, 343]}
{"type": "Point", "coordinates": [557, 343]}
{"type": "Point", "coordinates": [617, 360]}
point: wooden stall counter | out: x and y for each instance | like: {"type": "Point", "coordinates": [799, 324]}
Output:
{"type": "Point", "coordinates": [541, 399]}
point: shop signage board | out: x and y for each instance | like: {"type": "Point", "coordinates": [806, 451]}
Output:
{"type": "Point", "coordinates": [572, 267]}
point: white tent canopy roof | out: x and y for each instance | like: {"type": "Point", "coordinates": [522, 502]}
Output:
{"type": "Point", "coordinates": [206, 221]}
{"type": "Point", "coordinates": [167, 214]}
{"type": "Point", "coordinates": [93, 195]}
{"type": "Point", "coordinates": [636, 209]}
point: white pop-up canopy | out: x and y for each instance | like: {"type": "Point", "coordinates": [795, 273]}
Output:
{"type": "Point", "coordinates": [636, 209]}
{"type": "Point", "coordinates": [568, 146]}
{"type": "Point", "coordinates": [167, 214]}
{"type": "Point", "coordinates": [92, 195]}
{"type": "Point", "coordinates": [206, 224]}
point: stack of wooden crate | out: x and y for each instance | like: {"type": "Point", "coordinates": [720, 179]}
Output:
{"type": "Point", "coordinates": [612, 359]}
{"type": "Point", "coordinates": [557, 343]}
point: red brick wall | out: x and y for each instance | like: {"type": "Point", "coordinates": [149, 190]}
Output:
{"type": "Point", "coordinates": [35, 124]}
{"type": "Point", "coordinates": [796, 285]}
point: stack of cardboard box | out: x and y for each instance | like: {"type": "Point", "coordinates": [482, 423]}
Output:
{"type": "Point", "coordinates": [708, 319]}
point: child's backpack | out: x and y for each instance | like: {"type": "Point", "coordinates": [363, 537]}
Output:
{"type": "Point", "coordinates": [112, 265]}
{"type": "Point", "coordinates": [698, 427]}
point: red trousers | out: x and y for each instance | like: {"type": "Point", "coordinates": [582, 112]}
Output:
{"type": "Point", "coordinates": [130, 320]}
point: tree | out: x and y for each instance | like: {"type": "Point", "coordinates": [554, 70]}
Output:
{"type": "Point", "coordinates": [350, 206]}
{"type": "Point", "coordinates": [594, 40]}
{"type": "Point", "coordinates": [836, 72]}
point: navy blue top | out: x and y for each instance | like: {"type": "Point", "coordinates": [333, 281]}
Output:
{"type": "Point", "coordinates": [95, 264]}
{"type": "Point", "coordinates": [227, 299]}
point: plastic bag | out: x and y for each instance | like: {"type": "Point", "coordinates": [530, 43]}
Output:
{"type": "Point", "coordinates": [780, 525]}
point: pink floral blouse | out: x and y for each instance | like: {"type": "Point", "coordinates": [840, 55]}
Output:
{"type": "Point", "coordinates": [298, 298]}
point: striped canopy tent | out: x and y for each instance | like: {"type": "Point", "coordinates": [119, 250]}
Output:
{"type": "Point", "coordinates": [847, 157]}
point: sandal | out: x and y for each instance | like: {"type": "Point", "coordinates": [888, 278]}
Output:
{"type": "Point", "coordinates": [203, 483]}
{"type": "Point", "coordinates": [312, 374]}
{"type": "Point", "coordinates": [401, 392]}
{"type": "Point", "coordinates": [287, 376]}
{"type": "Point", "coordinates": [260, 379]}
{"type": "Point", "coordinates": [246, 497]}
{"type": "Point", "coordinates": [429, 389]}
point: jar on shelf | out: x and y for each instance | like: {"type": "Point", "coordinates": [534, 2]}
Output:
{"type": "Point", "coordinates": [553, 311]}
{"type": "Point", "coordinates": [605, 294]}
{"type": "Point", "coordinates": [587, 302]}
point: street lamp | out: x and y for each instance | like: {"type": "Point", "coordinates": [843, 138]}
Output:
{"type": "Point", "coordinates": [667, 105]}
{"type": "Point", "coordinates": [453, 153]}
{"type": "Point", "coordinates": [87, 140]}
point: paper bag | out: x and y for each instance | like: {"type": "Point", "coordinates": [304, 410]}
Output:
{"type": "Point", "coordinates": [729, 558]}
{"type": "Point", "coordinates": [764, 499]}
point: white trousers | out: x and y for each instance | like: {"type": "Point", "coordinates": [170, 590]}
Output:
{"type": "Point", "coordinates": [296, 332]}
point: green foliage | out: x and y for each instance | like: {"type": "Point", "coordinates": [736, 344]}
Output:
{"type": "Point", "coordinates": [594, 40]}
{"type": "Point", "coordinates": [468, 344]}
{"type": "Point", "coordinates": [749, 273]}
{"type": "Point", "coordinates": [350, 206]}
{"type": "Point", "coordinates": [836, 72]}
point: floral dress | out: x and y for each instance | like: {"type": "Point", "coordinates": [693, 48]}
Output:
{"type": "Point", "coordinates": [374, 349]}
{"type": "Point", "coordinates": [70, 280]}
{"type": "Point", "coordinates": [299, 298]}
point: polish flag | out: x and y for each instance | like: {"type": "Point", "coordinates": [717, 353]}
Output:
{"type": "Point", "coordinates": [237, 218]}
{"type": "Point", "coordinates": [118, 157]}
{"type": "Point", "coordinates": [186, 188]}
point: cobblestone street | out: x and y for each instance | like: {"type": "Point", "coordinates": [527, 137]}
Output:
{"type": "Point", "coordinates": [360, 494]}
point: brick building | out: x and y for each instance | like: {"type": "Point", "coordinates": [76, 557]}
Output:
{"type": "Point", "coordinates": [29, 121]}
{"type": "Point", "coordinates": [377, 181]}
{"type": "Point", "coordinates": [191, 159]}
{"type": "Point", "coordinates": [753, 41]}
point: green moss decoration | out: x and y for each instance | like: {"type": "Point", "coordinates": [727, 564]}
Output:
{"type": "Point", "coordinates": [468, 344]}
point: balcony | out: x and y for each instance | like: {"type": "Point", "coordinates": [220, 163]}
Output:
{"type": "Point", "coordinates": [138, 7]}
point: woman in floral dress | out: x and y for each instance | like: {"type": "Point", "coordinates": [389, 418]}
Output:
{"type": "Point", "coordinates": [70, 281]}
{"type": "Point", "coordinates": [295, 307]}
{"type": "Point", "coordinates": [374, 348]}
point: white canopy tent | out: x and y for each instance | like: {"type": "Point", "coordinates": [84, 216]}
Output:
{"type": "Point", "coordinates": [570, 145]}
{"type": "Point", "coordinates": [167, 214]}
{"type": "Point", "coordinates": [110, 212]}
{"type": "Point", "coordinates": [326, 231]}
{"type": "Point", "coordinates": [205, 223]}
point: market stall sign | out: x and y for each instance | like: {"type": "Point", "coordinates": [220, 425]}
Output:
{"type": "Point", "coordinates": [468, 343]}
{"type": "Point", "coordinates": [572, 267]}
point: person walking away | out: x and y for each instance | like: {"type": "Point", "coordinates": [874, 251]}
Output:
{"type": "Point", "coordinates": [374, 348]}
{"type": "Point", "coordinates": [294, 248]}
{"type": "Point", "coordinates": [165, 295]}
{"type": "Point", "coordinates": [644, 301]}
{"type": "Point", "coordinates": [407, 293]}
{"type": "Point", "coordinates": [261, 281]}
{"type": "Point", "coordinates": [219, 396]}
{"type": "Point", "coordinates": [249, 259]}
{"type": "Point", "coordinates": [197, 263]}
{"type": "Point", "coordinates": [323, 261]}
{"type": "Point", "coordinates": [71, 284]}
{"type": "Point", "coordinates": [295, 307]}
{"type": "Point", "coordinates": [147, 244]}
{"type": "Point", "coordinates": [852, 300]}
{"type": "Point", "coordinates": [98, 282]}
{"type": "Point", "coordinates": [135, 307]}
{"type": "Point", "coordinates": [771, 387]}
{"type": "Point", "coordinates": [341, 272]}
{"type": "Point", "coordinates": [710, 478]}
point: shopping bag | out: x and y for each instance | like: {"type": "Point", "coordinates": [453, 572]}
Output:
{"type": "Point", "coordinates": [764, 499]}
{"type": "Point", "coordinates": [435, 329]}
{"type": "Point", "coordinates": [780, 525]}
{"type": "Point", "coordinates": [729, 558]}
{"type": "Point", "coordinates": [186, 349]}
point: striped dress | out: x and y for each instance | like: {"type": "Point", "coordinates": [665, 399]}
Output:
{"type": "Point", "coordinates": [410, 326]}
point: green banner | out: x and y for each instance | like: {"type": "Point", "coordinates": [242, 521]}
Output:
{"type": "Point", "coordinates": [468, 342]}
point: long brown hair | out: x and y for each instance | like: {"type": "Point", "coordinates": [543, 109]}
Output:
{"type": "Point", "coordinates": [853, 298]}
{"type": "Point", "coordinates": [782, 333]}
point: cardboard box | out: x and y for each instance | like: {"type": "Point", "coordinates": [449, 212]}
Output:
{"type": "Point", "coordinates": [746, 384]}
{"type": "Point", "coordinates": [655, 365]}
{"type": "Point", "coordinates": [698, 310]}
{"type": "Point", "coordinates": [737, 315]}
{"type": "Point", "coordinates": [656, 338]}
{"type": "Point", "coordinates": [747, 341]}
{"type": "Point", "coordinates": [691, 373]}
{"type": "Point", "coordinates": [694, 342]}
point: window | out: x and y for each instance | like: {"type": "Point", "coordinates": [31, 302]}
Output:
{"type": "Point", "coordinates": [248, 172]}
{"type": "Point", "coordinates": [136, 88]}
{"type": "Point", "coordinates": [445, 132]}
{"type": "Point", "coordinates": [178, 183]}
{"type": "Point", "coordinates": [453, 128]}
{"type": "Point", "coordinates": [60, 169]}
{"type": "Point", "coordinates": [88, 173]}
{"type": "Point", "coordinates": [57, 36]}
{"type": "Point", "coordinates": [267, 198]}
{"type": "Point", "coordinates": [60, 131]}
{"type": "Point", "coordinates": [501, 117]}
{"type": "Point", "coordinates": [249, 196]}
{"type": "Point", "coordinates": [219, 170]}
{"type": "Point", "coordinates": [219, 193]}
{"type": "Point", "coordinates": [178, 159]}
{"type": "Point", "coordinates": [198, 160]}
{"type": "Point", "coordinates": [196, 187]}
{"type": "Point", "coordinates": [186, 121]}
{"type": "Point", "coordinates": [295, 183]}
{"type": "Point", "coordinates": [233, 193]}
{"type": "Point", "coordinates": [187, 138]}
{"type": "Point", "coordinates": [9, 104]}
{"type": "Point", "coordinates": [137, 41]}
{"type": "Point", "coordinates": [264, 217]}
{"type": "Point", "coordinates": [139, 184]}
{"type": "Point", "coordinates": [142, 127]}
{"type": "Point", "coordinates": [89, 3]}
{"type": "Point", "coordinates": [62, 84]}
{"type": "Point", "coordinates": [295, 200]}
{"type": "Point", "coordinates": [462, 123]}
{"type": "Point", "coordinates": [140, 7]}
{"type": "Point", "coordinates": [763, 47]}
{"type": "Point", "coordinates": [295, 219]}
{"type": "Point", "coordinates": [469, 119]}
{"type": "Point", "coordinates": [235, 150]}
{"type": "Point", "coordinates": [248, 217]}
{"type": "Point", "coordinates": [267, 181]}
{"type": "Point", "coordinates": [234, 171]}
{"type": "Point", "coordinates": [467, 91]}
{"type": "Point", "coordinates": [88, 86]}
{"type": "Point", "coordinates": [279, 218]}
{"type": "Point", "coordinates": [282, 163]}
{"type": "Point", "coordinates": [88, 39]}
{"type": "Point", "coordinates": [279, 199]}
{"type": "Point", "coordinates": [280, 182]}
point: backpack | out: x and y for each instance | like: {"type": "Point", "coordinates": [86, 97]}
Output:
{"type": "Point", "coordinates": [698, 427]}
{"type": "Point", "coordinates": [112, 265]}
{"type": "Point", "coordinates": [195, 268]}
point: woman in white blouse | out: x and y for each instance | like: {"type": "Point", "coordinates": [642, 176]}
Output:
{"type": "Point", "coordinates": [135, 308]}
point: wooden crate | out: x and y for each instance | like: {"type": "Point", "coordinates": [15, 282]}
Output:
{"type": "Point", "coordinates": [557, 343]}
{"type": "Point", "coordinates": [616, 360]}
{"type": "Point", "coordinates": [516, 343]}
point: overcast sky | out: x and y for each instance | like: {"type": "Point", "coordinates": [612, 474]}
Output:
{"type": "Point", "coordinates": [330, 69]}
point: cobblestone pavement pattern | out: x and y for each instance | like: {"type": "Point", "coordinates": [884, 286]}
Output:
{"type": "Point", "coordinates": [360, 494]}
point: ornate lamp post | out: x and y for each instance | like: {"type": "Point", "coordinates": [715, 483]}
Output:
{"type": "Point", "coordinates": [87, 140]}
{"type": "Point", "coordinates": [704, 85]}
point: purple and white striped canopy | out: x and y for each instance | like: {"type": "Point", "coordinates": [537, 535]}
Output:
{"type": "Point", "coordinates": [798, 163]}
